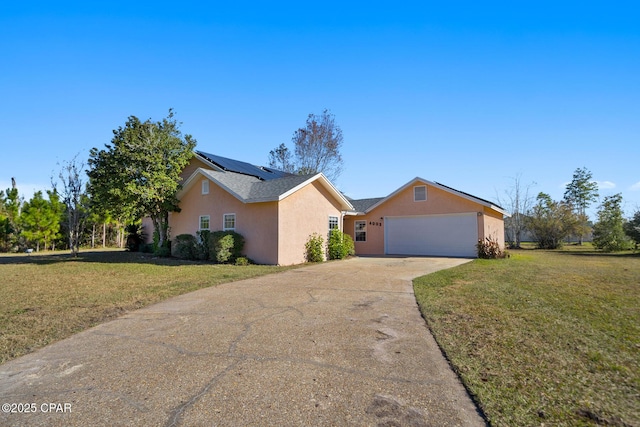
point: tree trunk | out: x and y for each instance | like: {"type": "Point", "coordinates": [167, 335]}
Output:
{"type": "Point", "coordinates": [104, 235]}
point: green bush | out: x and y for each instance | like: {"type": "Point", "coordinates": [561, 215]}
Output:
{"type": "Point", "coordinates": [243, 261]}
{"type": "Point", "coordinates": [225, 246]}
{"type": "Point", "coordinates": [186, 246]}
{"type": "Point", "coordinates": [163, 251]}
{"type": "Point", "coordinates": [314, 248]}
{"type": "Point", "coordinates": [340, 245]}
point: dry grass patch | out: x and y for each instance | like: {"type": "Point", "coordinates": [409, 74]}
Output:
{"type": "Point", "coordinates": [542, 338]}
{"type": "Point", "coordinates": [49, 297]}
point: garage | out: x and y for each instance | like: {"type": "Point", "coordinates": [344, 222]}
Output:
{"type": "Point", "coordinates": [432, 235]}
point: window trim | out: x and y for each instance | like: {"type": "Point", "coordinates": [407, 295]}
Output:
{"type": "Point", "coordinates": [204, 186]}
{"type": "Point", "coordinates": [337, 223]}
{"type": "Point", "coordinates": [415, 187]}
{"type": "Point", "coordinates": [208, 217]}
{"type": "Point", "coordinates": [224, 222]}
{"type": "Point", "coordinates": [363, 231]}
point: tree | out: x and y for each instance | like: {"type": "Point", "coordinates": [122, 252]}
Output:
{"type": "Point", "coordinates": [608, 231]}
{"type": "Point", "coordinates": [40, 219]}
{"type": "Point", "coordinates": [317, 148]}
{"type": "Point", "coordinates": [138, 174]}
{"type": "Point", "coordinates": [518, 202]}
{"type": "Point", "coordinates": [10, 204]}
{"type": "Point", "coordinates": [632, 228]}
{"type": "Point", "coordinates": [550, 222]}
{"type": "Point", "coordinates": [580, 193]}
{"type": "Point", "coordinates": [280, 158]}
{"type": "Point", "coordinates": [74, 198]}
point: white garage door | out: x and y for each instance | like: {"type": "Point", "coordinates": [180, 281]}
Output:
{"type": "Point", "coordinates": [434, 235]}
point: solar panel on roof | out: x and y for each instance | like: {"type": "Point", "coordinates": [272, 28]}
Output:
{"type": "Point", "coordinates": [243, 167]}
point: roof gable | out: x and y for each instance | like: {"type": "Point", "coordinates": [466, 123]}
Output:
{"type": "Point", "coordinates": [251, 189]}
{"type": "Point", "coordinates": [370, 204]}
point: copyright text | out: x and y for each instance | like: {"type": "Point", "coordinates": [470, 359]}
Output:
{"type": "Point", "coordinates": [32, 408]}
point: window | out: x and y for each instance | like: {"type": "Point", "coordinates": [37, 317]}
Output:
{"type": "Point", "coordinates": [229, 222]}
{"type": "Point", "coordinates": [333, 223]}
{"type": "Point", "coordinates": [420, 193]}
{"type": "Point", "coordinates": [204, 222]}
{"type": "Point", "coordinates": [205, 186]}
{"type": "Point", "coordinates": [361, 231]}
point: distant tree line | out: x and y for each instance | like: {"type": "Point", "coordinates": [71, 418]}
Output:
{"type": "Point", "coordinates": [549, 223]}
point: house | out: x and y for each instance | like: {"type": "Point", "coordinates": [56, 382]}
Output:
{"type": "Point", "coordinates": [276, 212]}
{"type": "Point", "coordinates": [424, 218]}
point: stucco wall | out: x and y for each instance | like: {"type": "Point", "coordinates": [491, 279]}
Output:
{"type": "Point", "coordinates": [403, 204]}
{"type": "Point", "coordinates": [302, 213]}
{"type": "Point", "coordinates": [256, 222]}
{"type": "Point", "coordinates": [193, 165]}
{"type": "Point", "coordinates": [493, 226]}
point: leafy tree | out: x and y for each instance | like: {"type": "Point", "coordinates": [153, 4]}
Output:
{"type": "Point", "coordinates": [632, 228]}
{"type": "Point", "coordinates": [138, 174]}
{"type": "Point", "coordinates": [58, 210]}
{"type": "Point", "coordinates": [608, 231]}
{"type": "Point", "coordinates": [40, 220]}
{"type": "Point", "coordinates": [317, 148]}
{"type": "Point", "coordinates": [550, 222]}
{"type": "Point", "coordinates": [10, 203]}
{"type": "Point", "coordinates": [580, 193]}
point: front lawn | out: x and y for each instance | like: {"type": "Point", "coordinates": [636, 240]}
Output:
{"type": "Point", "coordinates": [543, 337]}
{"type": "Point", "coordinates": [48, 297]}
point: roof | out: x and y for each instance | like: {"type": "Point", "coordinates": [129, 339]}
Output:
{"type": "Point", "coordinates": [231, 165]}
{"type": "Point", "coordinates": [367, 205]}
{"type": "Point", "coordinates": [471, 195]}
{"type": "Point", "coordinates": [362, 205]}
{"type": "Point", "coordinates": [252, 189]}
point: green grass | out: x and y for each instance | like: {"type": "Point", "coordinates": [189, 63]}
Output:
{"type": "Point", "coordinates": [543, 337]}
{"type": "Point", "coordinates": [48, 297]}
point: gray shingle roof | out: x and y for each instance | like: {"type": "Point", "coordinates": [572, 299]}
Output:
{"type": "Point", "coordinates": [251, 189]}
{"type": "Point", "coordinates": [361, 205]}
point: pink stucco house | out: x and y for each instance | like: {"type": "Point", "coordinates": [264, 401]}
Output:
{"type": "Point", "coordinates": [276, 213]}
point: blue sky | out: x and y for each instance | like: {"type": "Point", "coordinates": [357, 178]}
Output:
{"type": "Point", "coordinates": [469, 94]}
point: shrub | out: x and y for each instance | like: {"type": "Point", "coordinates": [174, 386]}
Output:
{"type": "Point", "coordinates": [340, 245]}
{"type": "Point", "coordinates": [489, 248]}
{"type": "Point", "coordinates": [225, 246]}
{"type": "Point", "coordinates": [243, 261]}
{"type": "Point", "coordinates": [314, 248]}
{"type": "Point", "coordinates": [186, 246]}
{"type": "Point", "coordinates": [163, 251]}
{"type": "Point", "coordinates": [202, 245]}
{"type": "Point", "coordinates": [146, 248]}
{"type": "Point", "coordinates": [135, 237]}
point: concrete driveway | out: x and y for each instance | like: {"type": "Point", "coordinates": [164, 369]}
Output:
{"type": "Point", "coordinates": [334, 344]}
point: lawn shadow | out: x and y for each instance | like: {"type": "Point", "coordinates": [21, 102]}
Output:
{"type": "Point", "coordinates": [94, 256]}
